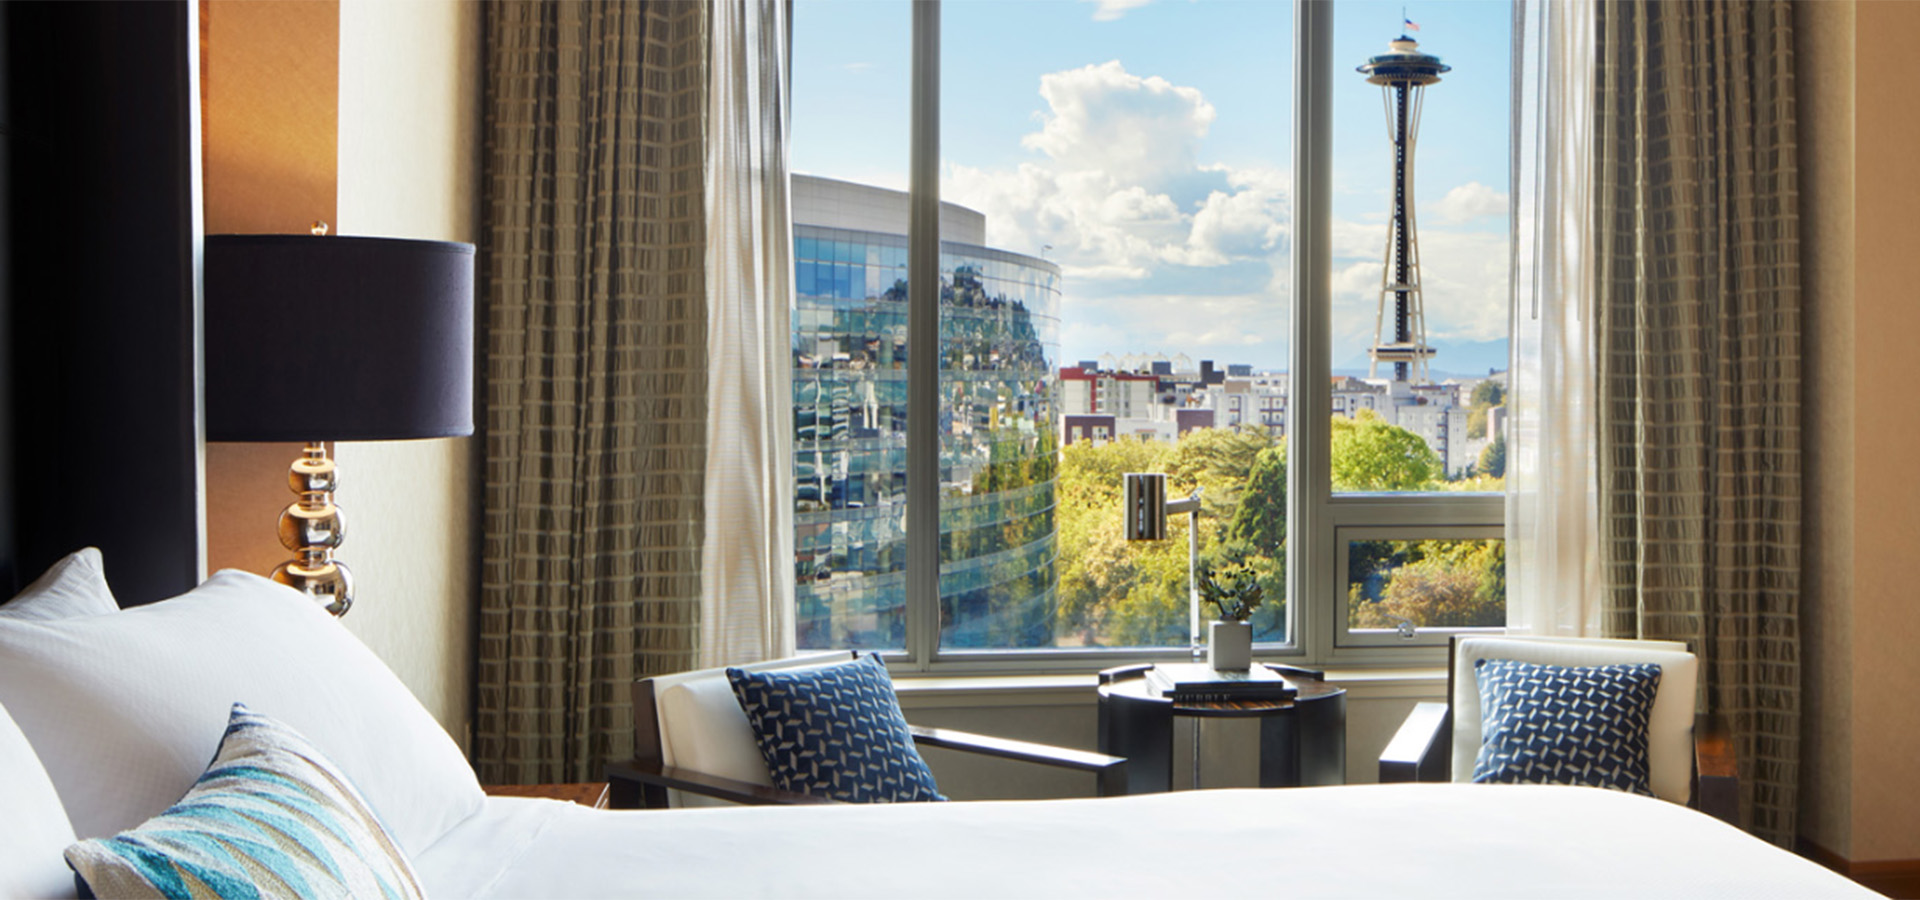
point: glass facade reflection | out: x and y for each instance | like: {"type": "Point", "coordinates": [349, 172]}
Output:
{"type": "Point", "coordinates": [998, 455]}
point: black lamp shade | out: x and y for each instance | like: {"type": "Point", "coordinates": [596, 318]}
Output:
{"type": "Point", "coordinates": [337, 338]}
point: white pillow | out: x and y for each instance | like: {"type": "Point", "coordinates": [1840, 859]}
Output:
{"type": "Point", "coordinates": [125, 710]}
{"type": "Point", "coordinates": [33, 827]}
{"type": "Point", "coordinates": [74, 586]}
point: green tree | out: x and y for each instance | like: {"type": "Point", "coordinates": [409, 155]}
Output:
{"type": "Point", "coordinates": [1119, 593]}
{"type": "Point", "coordinates": [1219, 460]}
{"type": "Point", "coordinates": [1435, 584]}
{"type": "Point", "coordinates": [1098, 468]}
{"type": "Point", "coordinates": [1431, 594]}
{"type": "Point", "coordinates": [1112, 591]}
{"type": "Point", "coordinates": [1486, 395]}
{"type": "Point", "coordinates": [1371, 455]}
{"type": "Point", "coordinates": [1493, 460]}
{"type": "Point", "coordinates": [1260, 518]}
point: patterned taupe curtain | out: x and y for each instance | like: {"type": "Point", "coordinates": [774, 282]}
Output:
{"type": "Point", "coordinates": [595, 375]}
{"type": "Point", "coordinates": [1700, 361]}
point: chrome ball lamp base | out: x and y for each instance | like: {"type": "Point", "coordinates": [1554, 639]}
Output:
{"type": "Point", "coordinates": [312, 528]}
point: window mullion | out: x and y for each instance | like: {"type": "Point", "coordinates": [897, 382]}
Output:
{"type": "Point", "coordinates": [923, 341]}
{"type": "Point", "coordinates": [1310, 557]}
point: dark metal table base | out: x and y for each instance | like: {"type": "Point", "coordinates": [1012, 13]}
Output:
{"type": "Point", "coordinates": [1303, 741]}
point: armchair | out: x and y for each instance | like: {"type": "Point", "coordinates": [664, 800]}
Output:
{"type": "Point", "coordinates": [692, 739]}
{"type": "Point", "coordinates": [1690, 757]}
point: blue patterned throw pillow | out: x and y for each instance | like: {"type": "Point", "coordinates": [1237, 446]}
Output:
{"type": "Point", "coordinates": [1560, 725]}
{"type": "Point", "coordinates": [835, 731]}
{"type": "Point", "coordinates": [271, 817]}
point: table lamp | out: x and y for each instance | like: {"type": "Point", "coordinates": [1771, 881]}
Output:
{"type": "Point", "coordinates": [316, 339]}
{"type": "Point", "coordinates": [1147, 509]}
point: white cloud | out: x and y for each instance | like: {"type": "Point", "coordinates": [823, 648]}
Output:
{"type": "Point", "coordinates": [1248, 222]}
{"type": "Point", "coordinates": [1238, 327]}
{"type": "Point", "coordinates": [1471, 201]}
{"type": "Point", "coordinates": [1118, 187]}
{"type": "Point", "coordinates": [1359, 239]}
{"type": "Point", "coordinates": [1079, 332]}
{"type": "Point", "coordinates": [1466, 284]}
{"type": "Point", "coordinates": [1136, 130]}
{"type": "Point", "coordinates": [1464, 279]}
{"type": "Point", "coordinates": [1109, 10]}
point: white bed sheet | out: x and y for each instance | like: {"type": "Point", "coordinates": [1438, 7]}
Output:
{"type": "Point", "coordinates": [1418, 840]}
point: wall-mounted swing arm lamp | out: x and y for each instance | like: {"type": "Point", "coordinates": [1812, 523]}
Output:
{"type": "Point", "coordinates": [1147, 509]}
{"type": "Point", "coordinates": [316, 339]}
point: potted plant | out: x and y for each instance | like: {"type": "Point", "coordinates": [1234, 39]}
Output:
{"type": "Point", "coordinates": [1235, 593]}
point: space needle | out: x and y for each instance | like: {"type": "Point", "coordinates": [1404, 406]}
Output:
{"type": "Point", "coordinates": [1402, 73]}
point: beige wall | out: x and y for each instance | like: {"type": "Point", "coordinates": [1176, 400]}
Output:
{"type": "Point", "coordinates": [363, 114]}
{"type": "Point", "coordinates": [409, 140]}
{"type": "Point", "coordinates": [1862, 791]}
{"type": "Point", "coordinates": [1825, 48]}
{"type": "Point", "coordinates": [1886, 613]}
{"type": "Point", "coordinates": [409, 96]}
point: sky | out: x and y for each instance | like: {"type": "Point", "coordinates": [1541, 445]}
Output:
{"type": "Point", "coordinates": [1146, 147]}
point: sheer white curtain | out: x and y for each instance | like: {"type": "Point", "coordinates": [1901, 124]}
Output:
{"type": "Point", "coordinates": [747, 566]}
{"type": "Point", "coordinates": [1553, 564]}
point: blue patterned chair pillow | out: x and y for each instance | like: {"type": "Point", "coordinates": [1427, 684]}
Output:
{"type": "Point", "coordinates": [271, 817]}
{"type": "Point", "coordinates": [835, 731]}
{"type": "Point", "coordinates": [1564, 725]}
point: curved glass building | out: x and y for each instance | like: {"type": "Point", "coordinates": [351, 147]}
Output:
{"type": "Point", "coordinates": [999, 333]}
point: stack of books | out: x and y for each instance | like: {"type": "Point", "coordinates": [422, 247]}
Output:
{"type": "Point", "coordinates": [1201, 683]}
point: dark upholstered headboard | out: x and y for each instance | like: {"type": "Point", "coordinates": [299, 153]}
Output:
{"type": "Point", "coordinates": [99, 304]}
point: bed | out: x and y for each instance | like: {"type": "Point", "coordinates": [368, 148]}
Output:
{"type": "Point", "coordinates": [1409, 840]}
{"type": "Point", "coordinates": [108, 718]}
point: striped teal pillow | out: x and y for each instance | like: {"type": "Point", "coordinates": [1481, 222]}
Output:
{"type": "Point", "coordinates": [271, 817]}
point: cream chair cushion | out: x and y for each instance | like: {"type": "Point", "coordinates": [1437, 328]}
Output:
{"type": "Point", "coordinates": [703, 728]}
{"type": "Point", "coordinates": [1669, 726]}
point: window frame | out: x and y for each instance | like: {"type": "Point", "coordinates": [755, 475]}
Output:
{"type": "Point", "coordinates": [1344, 538]}
{"type": "Point", "coordinates": [1316, 514]}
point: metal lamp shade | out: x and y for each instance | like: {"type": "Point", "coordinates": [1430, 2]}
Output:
{"type": "Point", "coordinates": [1146, 506]}
{"type": "Point", "coordinates": [337, 338]}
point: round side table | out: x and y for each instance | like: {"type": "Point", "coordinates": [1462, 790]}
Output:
{"type": "Point", "coordinates": [1303, 741]}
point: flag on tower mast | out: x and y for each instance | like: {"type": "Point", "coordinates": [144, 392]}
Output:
{"type": "Point", "coordinates": [1409, 24]}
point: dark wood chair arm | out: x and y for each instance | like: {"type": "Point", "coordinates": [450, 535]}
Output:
{"type": "Point", "coordinates": [636, 784]}
{"type": "Point", "coordinates": [1110, 772]}
{"type": "Point", "coordinates": [1716, 789]}
{"type": "Point", "coordinates": [1422, 749]}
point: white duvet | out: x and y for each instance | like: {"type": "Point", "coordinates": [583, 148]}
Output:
{"type": "Point", "coordinates": [1417, 840]}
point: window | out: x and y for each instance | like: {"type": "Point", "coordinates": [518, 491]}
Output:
{"type": "Point", "coordinates": [1418, 301]}
{"type": "Point", "coordinates": [850, 74]}
{"type": "Point", "coordinates": [1114, 283]}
